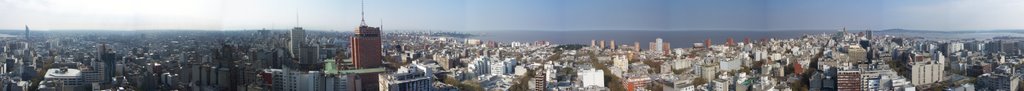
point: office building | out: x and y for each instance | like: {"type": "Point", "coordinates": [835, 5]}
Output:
{"type": "Point", "coordinates": [106, 55]}
{"type": "Point", "coordinates": [296, 40]}
{"type": "Point", "coordinates": [304, 55]}
{"type": "Point", "coordinates": [848, 80]}
{"type": "Point", "coordinates": [64, 77]}
{"type": "Point", "coordinates": [857, 54]}
{"type": "Point", "coordinates": [92, 74]}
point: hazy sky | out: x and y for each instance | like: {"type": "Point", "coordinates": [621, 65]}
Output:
{"type": "Point", "coordinates": [496, 15]}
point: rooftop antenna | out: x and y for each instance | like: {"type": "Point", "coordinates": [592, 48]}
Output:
{"type": "Point", "coordinates": [362, 13]}
{"type": "Point", "coordinates": [296, 16]}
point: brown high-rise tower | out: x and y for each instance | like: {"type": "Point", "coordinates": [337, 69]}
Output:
{"type": "Point", "coordinates": [366, 54]}
{"type": "Point", "coordinates": [366, 51]}
{"type": "Point", "coordinates": [707, 43]}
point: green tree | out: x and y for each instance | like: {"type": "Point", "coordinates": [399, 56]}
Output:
{"type": "Point", "coordinates": [699, 81]}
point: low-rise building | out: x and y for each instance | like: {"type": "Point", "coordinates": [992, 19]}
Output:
{"type": "Point", "coordinates": [412, 77]}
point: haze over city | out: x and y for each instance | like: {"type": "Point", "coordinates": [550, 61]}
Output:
{"type": "Point", "coordinates": [498, 15]}
{"type": "Point", "coordinates": [511, 45]}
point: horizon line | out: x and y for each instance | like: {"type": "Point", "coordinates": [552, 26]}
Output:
{"type": "Point", "coordinates": [528, 30]}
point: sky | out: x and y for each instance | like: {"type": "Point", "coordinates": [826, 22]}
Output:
{"type": "Point", "coordinates": [510, 15]}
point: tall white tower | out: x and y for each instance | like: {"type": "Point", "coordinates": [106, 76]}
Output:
{"type": "Point", "coordinates": [658, 45]}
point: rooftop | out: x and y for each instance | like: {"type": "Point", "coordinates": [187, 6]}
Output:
{"type": "Point", "coordinates": [62, 73]}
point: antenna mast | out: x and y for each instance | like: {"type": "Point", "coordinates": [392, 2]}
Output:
{"type": "Point", "coordinates": [362, 13]}
{"type": "Point", "coordinates": [297, 14]}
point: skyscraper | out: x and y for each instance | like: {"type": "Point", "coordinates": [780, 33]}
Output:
{"type": "Point", "coordinates": [366, 53]}
{"type": "Point", "coordinates": [366, 43]}
{"type": "Point", "coordinates": [729, 42]}
{"type": "Point", "coordinates": [658, 45]}
{"type": "Point", "coordinates": [869, 34]}
{"type": "Point", "coordinates": [26, 32]}
{"type": "Point", "coordinates": [28, 57]}
{"type": "Point", "coordinates": [107, 57]}
{"type": "Point", "coordinates": [707, 43]}
{"type": "Point", "coordinates": [612, 45]}
{"type": "Point", "coordinates": [666, 48]}
{"type": "Point", "coordinates": [297, 38]}
{"type": "Point", "coordinates": [871, 50]}
{"type": "Point", "coordinates": [593, 43]}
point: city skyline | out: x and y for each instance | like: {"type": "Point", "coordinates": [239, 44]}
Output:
{"type": "Point", "coordinates": [521, 45]}
{"type": "Point", "coordinates": [557, 15]}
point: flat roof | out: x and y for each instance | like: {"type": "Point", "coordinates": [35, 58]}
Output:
{"type": "Point", "coordinates": [56, 73]}
{"type": "Point", "coordinates": [359, 71]}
